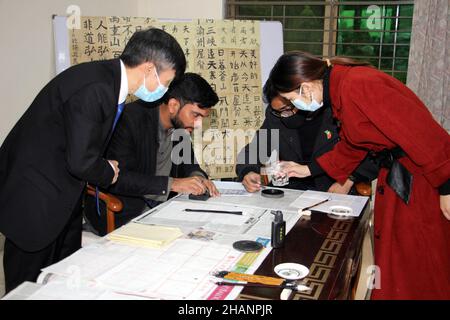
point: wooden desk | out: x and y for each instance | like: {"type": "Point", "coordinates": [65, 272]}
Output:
{"type": "Point", "coordinates": [330, 248]}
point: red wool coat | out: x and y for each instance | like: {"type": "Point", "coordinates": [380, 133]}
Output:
{"type": "Point", "coordinates": [412, 242]}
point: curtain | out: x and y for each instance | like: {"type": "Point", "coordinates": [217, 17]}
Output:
{"type": "Point", "coordinates": [429, 57]}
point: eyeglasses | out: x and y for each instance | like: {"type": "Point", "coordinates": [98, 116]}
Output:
{"type": "Point", "coordinates": [284, 112]}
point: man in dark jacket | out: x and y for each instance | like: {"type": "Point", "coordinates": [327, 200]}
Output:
{"type": "Point", "coordinates": [303, 136]}
{"type": "Point", "coordinates": [143, 143]}
{"type": "Point", "coordinates": [58, 145]}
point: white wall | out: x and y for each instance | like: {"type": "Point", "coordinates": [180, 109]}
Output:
{"type": "Point", "coordinates": [178, 9]}
{"type": "Point", "coordinates": [26, 35]}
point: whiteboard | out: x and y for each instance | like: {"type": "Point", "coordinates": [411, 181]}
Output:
{"type": "Point", "coordinates": [271, 46]}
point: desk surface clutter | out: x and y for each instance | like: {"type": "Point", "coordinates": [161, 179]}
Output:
{"type": "Point", "coordinates": [168, 253]}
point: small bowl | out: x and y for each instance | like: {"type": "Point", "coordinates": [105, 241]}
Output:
{"type": "Point", "coordinates": [291, 271]}
{"type": "Point", "coordinates": [341, 210]}
{"type": "Point", "coordinates": [272, 193]}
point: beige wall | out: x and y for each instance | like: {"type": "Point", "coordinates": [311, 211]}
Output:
{"type": "Point", "coordinates": [27, 59]}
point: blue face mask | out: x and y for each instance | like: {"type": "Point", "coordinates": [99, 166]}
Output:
{"type": "Point", "coordinates": [299, 104]}
{"type": "Point", "coordinates": [149, 96]}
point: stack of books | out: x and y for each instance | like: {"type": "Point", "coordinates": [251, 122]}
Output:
{"type": "Point", "coordinates": [142, 235]}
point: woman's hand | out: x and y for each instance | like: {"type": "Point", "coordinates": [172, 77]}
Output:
{"type": "Point", "coordinates": [252, 182]}
{"type": "Point", "coordinates": [293, 169]}
{"type": "Point", "coordinates": [445, 205]}
{"type": "Point", "coordinates": [341, 188]}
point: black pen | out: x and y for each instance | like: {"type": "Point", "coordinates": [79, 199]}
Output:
{"type": "Point", "coordinates": [315, 205]}
{"type": "Point", "coordinates": [214, 211]}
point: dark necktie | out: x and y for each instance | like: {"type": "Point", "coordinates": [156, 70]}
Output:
{"type": "Point", "coordinates": [116, 119]}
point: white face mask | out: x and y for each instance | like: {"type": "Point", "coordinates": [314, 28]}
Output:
{"type": "Point", "coordinates": [299, 104]}
{"type": "Point", "coordinates": [149, 96]}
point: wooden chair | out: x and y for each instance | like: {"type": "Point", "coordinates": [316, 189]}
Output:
{"type": "Point", "coordinates": [113, 206]}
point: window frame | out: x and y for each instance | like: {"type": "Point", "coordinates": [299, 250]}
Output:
{"type": "Point", "coordinates": [330, 30]}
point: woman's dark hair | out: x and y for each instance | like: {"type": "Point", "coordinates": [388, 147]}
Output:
{"type": "Point", "coordinates": [157, 46]}
{"type": "Point", "coordinates": [192, 88]}
{"type": "Point", "coordinates": [296, 67]}
{"type": "Point", "coordinates": [269, 92]}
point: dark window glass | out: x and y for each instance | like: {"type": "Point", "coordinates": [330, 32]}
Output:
{"type": "Point", "coordinates": [375, 31]}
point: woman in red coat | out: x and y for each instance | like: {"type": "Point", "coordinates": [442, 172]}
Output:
{"type": "Point", "coordinates": [379, 114]}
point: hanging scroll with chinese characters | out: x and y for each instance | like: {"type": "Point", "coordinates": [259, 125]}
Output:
{"type": "Point", "coordinates": [224, 52]}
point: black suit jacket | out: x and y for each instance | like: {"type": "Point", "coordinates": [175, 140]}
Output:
{"type": "Point", "coordinates": [135, 145]}
{"type": "Point", "coordinates": [54, 148]}
{"type": "Point", "coordinates": [290, 149]}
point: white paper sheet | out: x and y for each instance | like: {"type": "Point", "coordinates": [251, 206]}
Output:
{"type": "Point", "coordinates": [23, 291]}
{"type": "Point", "coordinates": [354, 204]}
{"type": "Point", "coordinates": [174, 214]}
{"type": "Point", "coordinates": [91, 261]}
{"type": "Point", "coordinates": [253, 200]}
{"type": "Point", "coordinates": [181, 272]}
{"type": "Point", "coordinates": [64, 290]}
{"type": "Point", "coordinates": [228, 189]}
{"type": "Point", "coordinates": [309, 198]}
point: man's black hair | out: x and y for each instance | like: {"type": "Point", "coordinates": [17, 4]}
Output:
{"type": "Point", "coordinates": [157, 46]}
{"type": "Point", "coordinates": [192, 88]}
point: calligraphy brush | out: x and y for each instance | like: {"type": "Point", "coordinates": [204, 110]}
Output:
{"type": "Point", "coordinates": [317, 204]}
{"type": "Point", "coordinates": [291, 286]}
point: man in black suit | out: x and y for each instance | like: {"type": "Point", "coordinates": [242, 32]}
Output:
{"type": "Point", "coordinates": [58, 145]}
{"type": "Point", "coordinates": [303, 136]}
{"type": "Point", "coordinates": [146, 142]}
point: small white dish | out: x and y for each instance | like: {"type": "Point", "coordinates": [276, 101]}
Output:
{"type": "Point", "coordinates": [291, 271]}
{"type": "Point", "coordinates": [341, 210]}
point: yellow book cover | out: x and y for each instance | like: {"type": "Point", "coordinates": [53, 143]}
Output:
{"type": "Point", "coordinates": [145, 235]}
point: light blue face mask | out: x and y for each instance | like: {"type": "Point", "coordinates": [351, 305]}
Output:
{"type": "Point", "coordinates": [299, 104]}
{"type": "Point", "coordinates": [149, 96]}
